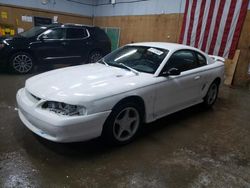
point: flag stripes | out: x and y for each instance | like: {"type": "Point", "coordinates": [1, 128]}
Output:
{"type": "Point", "coordinates": [213, 26]}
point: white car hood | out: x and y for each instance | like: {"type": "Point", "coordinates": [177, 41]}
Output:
{"type": "Point", "coordinates": [84, 83]}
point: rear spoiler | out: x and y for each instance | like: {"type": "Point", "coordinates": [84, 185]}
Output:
{"type": "Point", "coordinates": [217, 58]}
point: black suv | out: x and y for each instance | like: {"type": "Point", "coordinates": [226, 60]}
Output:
{"type": "Point", "coordinates": [56, 43]}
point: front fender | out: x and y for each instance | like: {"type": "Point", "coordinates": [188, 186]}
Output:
{"type": "Point", "coordinates": [147, 94]}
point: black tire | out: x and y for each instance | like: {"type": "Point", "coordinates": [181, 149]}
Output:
{"type": "Point", "coordinates": [94, 56]}
{"type": "Point", "coordinates": [211, 95]}
{"type": "Point", "coordinates": [21, 63]}
{"type": "Point", "coordinates": [123, 117]}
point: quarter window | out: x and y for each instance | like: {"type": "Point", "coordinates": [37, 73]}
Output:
{"type": "Point", "coordinates": [183, 60]}
{"type": "Point", "coordinates": [76, 33]}
{"type": "Point", "coordinates": [201, 60]}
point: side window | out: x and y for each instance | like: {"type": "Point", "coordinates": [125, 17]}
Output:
{"type": "Point", "coordinates": [183, 60]}
{"type": "Point", "coordinates": [57, 33]}
{"type": "Point", "coordinates": [76, 33]}
{"type": "Point", "coordinates": [201, 60]}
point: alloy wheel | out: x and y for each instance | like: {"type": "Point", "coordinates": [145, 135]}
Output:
{"type": "Point", "coordinates": [126, 124]}
{"type": "Point", "coordinates": [22, 63]}
{"type": "Point", "coordinates": [212, 93]}
{"type": "Point", "coordinates": [94, 57]}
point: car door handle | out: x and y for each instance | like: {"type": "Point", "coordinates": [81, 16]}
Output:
{"type": "Point", "coordinates": [197, 77]}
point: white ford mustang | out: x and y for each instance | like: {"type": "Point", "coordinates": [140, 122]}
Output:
{"type": "Point", "coordinates": [138, 83]}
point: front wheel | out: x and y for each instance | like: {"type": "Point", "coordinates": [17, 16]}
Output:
{"type": "Point", "coordinates": [21, 63]}
{"type": "Point", "coordinates": [123, 124]}
{"type": "Point", "coordinates": [211, 95]}
{"type": "Point", "coordinates": [94, 56]}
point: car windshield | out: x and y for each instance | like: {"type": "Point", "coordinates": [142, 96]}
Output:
{"type": "Point", "coordinates": [34, 31]}
{"type": "Point", "coordinates": [140, 58]}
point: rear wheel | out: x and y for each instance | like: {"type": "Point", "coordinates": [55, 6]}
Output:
{"type": "Point", "coordinates": [211, 95]}
{"type": "Point", "coordinates": [21, 63]}
{"type": "Point", "coordinates": [95, 56]}
{"type": "Point", "coordinates": [123, 124]}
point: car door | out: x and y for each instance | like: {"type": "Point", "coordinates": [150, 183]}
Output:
{"type": "Point", "coordinates": [50, 46]}
{"type": "Point", "coordinates": [77, 44]}
{"type": "Point", "coordinates": [176, 92]}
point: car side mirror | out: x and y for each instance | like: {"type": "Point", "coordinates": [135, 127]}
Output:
{"type": "Point", "coordinates": [172, 72]}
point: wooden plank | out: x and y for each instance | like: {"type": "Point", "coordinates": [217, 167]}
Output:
{"type": "Point", "coordinates": [162, 28]}
{"type": "Point", "coordinates": [241, 76]}
{"type": "Point", "coordinates": [230, 66]}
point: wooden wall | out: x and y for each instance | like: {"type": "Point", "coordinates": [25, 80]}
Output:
{"type": "Point", "coordinates": [166, 28]}
{"type": "Point", "coordinates": [15, 13]}
{"type": "Point", "coordinates": [241, 76]}
{"type": "Point", "coordinates": [163, 28]}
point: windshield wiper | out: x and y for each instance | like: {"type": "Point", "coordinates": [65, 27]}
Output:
{"type": "Point", "coordinates": [102, 61]}
{"type": "Point", "coordinates": [129, 68]}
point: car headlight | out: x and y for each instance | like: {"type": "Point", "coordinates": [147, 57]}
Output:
{"type": "Point", "coordinates": [64, 109]}
{"type": "Point", "coordinates": [3, 44]}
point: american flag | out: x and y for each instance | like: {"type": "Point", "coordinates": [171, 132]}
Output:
{"type": "Point", "coordinates": [213, 26]}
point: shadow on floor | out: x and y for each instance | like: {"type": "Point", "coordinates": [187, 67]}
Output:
{"type": "Point", "coordinates": [99, 146]}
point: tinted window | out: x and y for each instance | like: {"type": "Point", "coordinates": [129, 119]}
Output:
{"type": "Point", "coordinates": [201, 60]}
{"type": "Point", "coordinates": [183, 60]}
{"type": "Point", "coordinates": [33, 31]}
{"type": "Point", "coordinates": [54, 34]}
{"type": "Point", "coordinates": [76, 33]}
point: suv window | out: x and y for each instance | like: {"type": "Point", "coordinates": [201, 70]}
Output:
{"type": "Point", "coordinates": [57, 33]}
{"type": "Point", "coordinates": [201, 59]}
{"type": "Point", "coordinates": [183, 60]}
{"type": "Point", "coordinates": [76, 33]}
{"type": "Point", "coordinates": [34, 31]}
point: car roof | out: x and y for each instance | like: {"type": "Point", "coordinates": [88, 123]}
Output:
{"type": "Point", "coordinates": [76, 25]}
{"type": "Point", "coordinates": [67, 25]}
{"type": "Point", "coordinates": [165, 45]}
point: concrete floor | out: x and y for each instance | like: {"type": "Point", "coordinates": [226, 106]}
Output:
{"type": "Point", "coordinates": [191, 148]}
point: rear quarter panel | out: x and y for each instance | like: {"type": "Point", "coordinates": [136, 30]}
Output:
{"type": "Point", "coordinates": [210, 72]}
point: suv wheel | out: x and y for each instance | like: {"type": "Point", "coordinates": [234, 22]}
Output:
{"type": "Point", "coordinates": [21, 63]}
{"type": "Point", "coordinates": [95, 56]}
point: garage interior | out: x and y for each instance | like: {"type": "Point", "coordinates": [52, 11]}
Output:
{"type": "Point", "coordinates": [190, 148]}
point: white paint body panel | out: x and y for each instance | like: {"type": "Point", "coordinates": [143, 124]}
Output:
{"type": "Point", "coordinates": [99, 88]}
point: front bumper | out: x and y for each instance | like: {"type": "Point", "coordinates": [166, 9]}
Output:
{"type": "Point", "coordinates": [3, 58]}
{"type": "Point", "coordinates": [59, 128]}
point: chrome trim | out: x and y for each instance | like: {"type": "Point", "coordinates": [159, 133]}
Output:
{"type": "Point", "coordinates": [5, 42]}
{"type": "Point", "coordinates": [63, 57]}
{"type": "Point", "coordinates": [88, 35]}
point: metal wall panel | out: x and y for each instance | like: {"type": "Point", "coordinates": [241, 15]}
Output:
{"type": "Point", "coordinates": [135, 7]}
{"type": "Point", "coordinates": [57, 5]}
